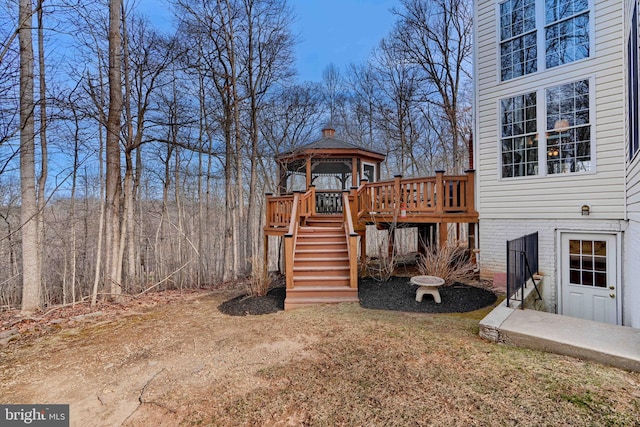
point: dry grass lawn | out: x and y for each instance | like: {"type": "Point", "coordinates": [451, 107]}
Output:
{"type": "Point", "coordinates": [185, 363]}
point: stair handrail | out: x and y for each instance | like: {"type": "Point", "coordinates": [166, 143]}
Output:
{"type": "Point", "coordinates": [361, 200]}
{"type": "Point", "coordinates": [308, 202]}
{"type": "Point", "coordinates": [352, 240]}
{"type": "Point", "coordinates": [290, 240]}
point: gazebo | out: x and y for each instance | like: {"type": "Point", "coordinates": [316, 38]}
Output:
{"type": "Point", "coordinates": [329, 164]}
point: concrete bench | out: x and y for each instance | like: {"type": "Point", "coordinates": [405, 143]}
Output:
{"type": "Point", "coordinates": [428, 285]}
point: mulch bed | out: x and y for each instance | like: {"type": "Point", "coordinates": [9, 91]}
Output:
{"type": "Point", "coordinates": [249, 305]}
{"type": "Point", "coordinates": [396, 294]}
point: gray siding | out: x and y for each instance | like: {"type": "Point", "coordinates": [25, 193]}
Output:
{"type": "Point", "coordinates": [554, 196]}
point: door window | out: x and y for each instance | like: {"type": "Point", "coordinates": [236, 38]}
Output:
{"type": "Point", "coordinates": [588, 263]}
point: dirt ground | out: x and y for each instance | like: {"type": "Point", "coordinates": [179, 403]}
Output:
{"type": "Point", "coordinates": [176, 359]}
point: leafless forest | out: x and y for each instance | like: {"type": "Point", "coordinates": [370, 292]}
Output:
{"type": "Point", "coordinates": [136, 158]}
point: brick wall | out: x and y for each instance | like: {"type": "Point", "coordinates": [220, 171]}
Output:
{"type": "Point", "coordinates": [494, 234]}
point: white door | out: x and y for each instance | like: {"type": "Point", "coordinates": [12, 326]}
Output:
{"type": "Point", "coordinates": [589, 287]}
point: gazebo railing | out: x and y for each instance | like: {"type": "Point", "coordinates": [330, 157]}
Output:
{"type": "Point", "coordinates": [329, 202]}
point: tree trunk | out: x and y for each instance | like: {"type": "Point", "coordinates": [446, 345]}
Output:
{"type": "Point", "coordinates": [44, 161]}
{"type": "Point", "coordinates": [31, 279]}
{"type": "Point", "coordinates": [113, 179]}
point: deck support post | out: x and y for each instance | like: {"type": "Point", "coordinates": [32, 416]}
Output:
{"type": "Point", "coordinates": [363, 249]}
{"type": "Point", "coordinates": [471, 183]}
{"type": "Point", "coordinates": [267, 210]}
{"type": "Point", "coordinates": [312, 188]}
{"type": "Point", "coordinates": [440, 193]}
{"type": "Point", "coordinates": [472, 241]}
{"type": "Point", "coordinates": [443, 233]}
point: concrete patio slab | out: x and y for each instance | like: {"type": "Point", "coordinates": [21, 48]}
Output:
{"type": "Point", "coordinates": [608, 344]}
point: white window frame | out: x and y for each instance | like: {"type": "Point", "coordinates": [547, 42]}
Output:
{"type": "Point", "coordinates": [541, 102]}
{"type": "Point", "coordinates": [541, 42]}
{"type": "Point", "coordinates": [375, 171]}
{"type": "Point", "coordinates": [633, 76]}
{"type": "Point", "coordinates": [525, 135]}
{"type": "Point", "coordinates": [523, 35]}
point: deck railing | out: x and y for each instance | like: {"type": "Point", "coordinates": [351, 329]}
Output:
{"type": "Point", "coordinates": [303, 205]}
{"type": "Point", "coordinates": [437, 195]}
{"type": "Point", "coordinates": [352, 240]}
{"type": "Point", "coordinates": [279, 210]}
{"type": "Point", "coordinates": [418, 195]}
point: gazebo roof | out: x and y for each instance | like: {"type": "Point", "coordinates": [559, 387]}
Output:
{"type": "Point", "coordinates": [329, 146]}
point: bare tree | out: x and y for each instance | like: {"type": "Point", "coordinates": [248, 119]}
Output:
{"type": "Point", "coordinates": [436, 36]}
{"type": "Point", "coordinates": [31, 285]}
{"type": "Point", "coordinates": [398, 85]}
{"type": "Point", "coordinates": [333, 91]}
{"type": "Point", "coordinates": [113, 179]}
{"type": "Point", "coordinates": [44, 152]}
{"type": "Point", "coordinates": [268, 58]}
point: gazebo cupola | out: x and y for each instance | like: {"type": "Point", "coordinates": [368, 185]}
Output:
{"type": "Point", "coordinates": [328, 164]}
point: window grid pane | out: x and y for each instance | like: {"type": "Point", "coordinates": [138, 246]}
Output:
{"type": "Point", "coordinates": [586, 267]}
{"type": "Point", "coordinates": [568, 128]}
{"type": "Point", "coordinates": [518, 51]}
{"type": "Point", "coordinates": [567, 41]}
{"type": "Point", "coordinates": [556, 10]}
{"type": "Point", "coordinates": [519, 141]}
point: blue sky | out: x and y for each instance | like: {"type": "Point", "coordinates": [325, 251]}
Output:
{"type": "Point", "coordinates": [330, 31]}
{"type": "Point", "coordinates": [339, 32]}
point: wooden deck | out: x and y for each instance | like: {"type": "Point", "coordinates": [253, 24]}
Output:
{"type": "Point", "coordinates": [383, 203]}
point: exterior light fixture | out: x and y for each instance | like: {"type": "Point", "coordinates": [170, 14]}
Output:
{"type": "Point", "coordinates": [585, 210]}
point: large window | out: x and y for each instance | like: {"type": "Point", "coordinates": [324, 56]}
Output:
{"type": "Point", "coordinates": [568, 128]}
{"type": "Point", "coordinates": [566, 31]}
{"type": "Point", "coordinates": [518, 53]}
{"type": "Point", "coordinates": [519, 140]}
{"type": "Point", "coordinates": [565, 146]}
{"type": "Point", "coordinates": [566, 35]}
{"type": "Point", "coordinates": [634, 99]}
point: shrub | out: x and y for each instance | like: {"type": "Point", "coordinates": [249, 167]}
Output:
{"type": "Point", "coordinates": [449, 262]}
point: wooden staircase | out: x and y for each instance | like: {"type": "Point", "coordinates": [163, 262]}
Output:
{"type": "Point", "coordinates": [321, 264]}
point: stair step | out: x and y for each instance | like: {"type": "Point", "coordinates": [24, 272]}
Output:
{"type": "Point", "coordinates": [316, 229]}
{"type": "Point", "coordinates": [326, 272]}
{"type": "Point", "coordinates": [321, 245]}
{"type": "Point", "coordinates": [322, 222]}
{"type": "Point", "coordinates": [298, 302]}
{"type": "Point", "coordinates": [321, 291]}
{"type": "Point", "coordinates": [337, 217]}
{"type": "Point", "coordinates": [314, 236]}
{"type": "Point", "coordinates": [319, 262]}
{"type": "Point", "coordinates": [318, 249]}
{"type": "Point", "coordinates": [333, 281]}
{"type": "Point", "coordinates": [321, 240]}
{"type": "Point", "coordinates": [311, 253]}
